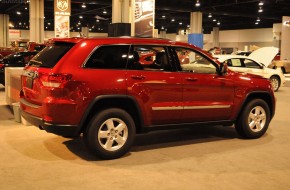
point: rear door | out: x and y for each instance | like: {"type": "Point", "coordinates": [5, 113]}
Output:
{"type": "Point", "coordinates": [155, 84]}
{"type": "Point", "coordinates": [207, 96]}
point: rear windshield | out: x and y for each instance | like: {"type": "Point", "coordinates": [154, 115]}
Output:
{"type": "Point", "coordinates": [50, 55]}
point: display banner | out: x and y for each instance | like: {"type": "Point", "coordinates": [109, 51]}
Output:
{"type": "Point", "coordinates": [61, 26]}
{"type": "Point", "coordinates": [144, 18]}
{"type": "Point", "coordinates": [196, 39]}
{"type": "Point", "coordinates": [62, 11]}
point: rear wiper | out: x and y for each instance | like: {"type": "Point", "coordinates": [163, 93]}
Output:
{"type": "Point", "coordinates": [34, 62]}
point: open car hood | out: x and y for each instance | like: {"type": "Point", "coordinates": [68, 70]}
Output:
{"type": "Point", "coordinates": [264, 55]}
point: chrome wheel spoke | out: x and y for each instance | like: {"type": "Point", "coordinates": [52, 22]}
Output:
{"type": "Point", "coordinates": [109, 144]}
{"type": "Point", "coordinates": [120, 140]}
{"type": "Point", "coordinates": [252, 116]}
{"type": "Point", "coordinates": [103, 134]}
{"type": "Point", "coordinates": [110, 124]}
{"type": "Point", "coordinates": [120, 127]}
{"type": "Point", "coordinates": [263, 117]}
{"type": "Point", "coordinates": [258, 126]}
{"type": "Point", "coordinates": [252, 124]}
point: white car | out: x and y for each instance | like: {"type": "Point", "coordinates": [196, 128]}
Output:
{"type": "Point", "coordinates": [256, 63]}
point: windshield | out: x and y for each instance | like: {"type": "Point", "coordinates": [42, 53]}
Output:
{"type": "Point", "coordinates": [50, 55]}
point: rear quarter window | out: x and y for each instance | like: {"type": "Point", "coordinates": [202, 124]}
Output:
{"type": "Point", "coordinates": [108, 57]}
{"type": "Point", "coordinates": [50, 55]}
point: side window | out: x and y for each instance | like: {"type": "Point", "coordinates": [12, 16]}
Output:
{"type": "Point", "coordinates": [109, 57]}
{"type": "Point", "coordinates": [251, 64]}
{"type": "Point", "coordinates": [193, 61]}
{"type": "Point", "coordinates": [149, 58]}
{"type": "Point", "coordinates": [236, 62]}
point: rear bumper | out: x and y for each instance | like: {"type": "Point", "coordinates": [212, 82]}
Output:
{"type": "Point", "coordinates": [58, 129]}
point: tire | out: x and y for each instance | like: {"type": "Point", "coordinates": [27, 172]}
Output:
{"type": "Point", "coordinates": [110, 133]}
{"type": "Point", "coordinates": [275, 82]}
{"type": "Point", "coordinates": [254, 120]}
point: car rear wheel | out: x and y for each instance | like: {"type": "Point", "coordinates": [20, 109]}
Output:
{"type": "Point", "coordinates": [253, 122]}
{"type": "Point", "coordinates": [110, 133]}
{"type": "Point", "coordinates": [275, 82]}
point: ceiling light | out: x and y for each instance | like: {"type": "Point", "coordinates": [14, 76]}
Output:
{"type": "Point", "coordinates": [260, 10]}
{"type": "Point", "coordinates": [172, 20]}
{"type": "Point", "coordinates": [162, 28]}
{"type": "Point", "coordinates": [218, 23]}
{"type": "Point", "coordinates": [258, 19]}
{"type": "Point", "coordinates": [214, 20]}
{"type": "Point", "coordinates": [261, 3]}
{"type": "Point", "coordinates": [105, 12]}
{"type": "Point", "coordinates": [84, 5]}
{"type": "Point", "coordinates": [197, 4]}
{"type": "Point", "coordinates": [257, 23]}
{"type": "Point", "coordinates": [209, 15]}
{"type": "Point", "coordinates": [180, 23]}
{"type": "Point", "coordinates": [19, 13]}
{"type": "Point", "coordinates": [163, 16]}
{"type": "Point", "coordinates": [81, 16]}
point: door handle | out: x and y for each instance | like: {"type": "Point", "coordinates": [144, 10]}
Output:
{"type": "Point", "coordinates": [138, 77]}
{"type": "Point", "coordinates": [191, 79]}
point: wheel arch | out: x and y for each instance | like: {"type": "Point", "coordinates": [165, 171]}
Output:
{"type": "Point", "coordinates": [127, 103]}
{"type": "Point", "coordinates": [259, 95]}
{"type": "Point", "coordinates": [276, 75]}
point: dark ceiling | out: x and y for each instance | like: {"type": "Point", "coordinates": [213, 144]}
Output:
{"type": "Point", "coordinates": [231, 14]}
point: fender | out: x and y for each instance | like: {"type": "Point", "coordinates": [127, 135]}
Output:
{"type": "Point", "coordinates": [247, 97]}
{"type": "Point", "coordinates": [100, 98]}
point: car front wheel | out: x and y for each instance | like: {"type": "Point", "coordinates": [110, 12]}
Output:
{"type": "Point", "coordinates": [254, 120]}
{"type": "Point", "coordinates": [110, 133]}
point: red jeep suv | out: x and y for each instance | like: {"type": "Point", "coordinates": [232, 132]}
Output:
{"type": "Point", "coordinates": [98, 87]}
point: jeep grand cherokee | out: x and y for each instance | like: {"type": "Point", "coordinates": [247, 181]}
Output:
{"type": "Point", "coordinates": [98, 87]}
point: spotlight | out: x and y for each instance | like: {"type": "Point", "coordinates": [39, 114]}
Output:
{"type": "Point", "coordinates": [197, 4]}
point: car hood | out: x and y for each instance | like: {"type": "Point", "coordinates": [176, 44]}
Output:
{"type": "Point", "coordinates": [264, 55]}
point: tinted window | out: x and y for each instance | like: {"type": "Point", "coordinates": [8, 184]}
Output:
{"type": "Point", "coordinates": [50, 55]}
{"type": "Point", "coordinates": [109, 57]}
{"type": "Point", "coordinates": [151, 58]}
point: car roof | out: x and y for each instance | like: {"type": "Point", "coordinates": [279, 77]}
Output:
{"type": "Point", "coordinates": [124, 39]}
{"type": "Point", "coordinates": [222, 58]}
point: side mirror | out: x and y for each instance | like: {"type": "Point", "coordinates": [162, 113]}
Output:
{"type": "Point", "coordinates": [223, 69]}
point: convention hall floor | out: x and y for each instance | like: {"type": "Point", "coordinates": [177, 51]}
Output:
{"type": "Point", "coordinates": [199, 158]}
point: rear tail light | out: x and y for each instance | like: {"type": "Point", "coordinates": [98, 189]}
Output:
{"type": "Point", "coordinates": [54, 80]}
{"type": "Point", "coordinates": [1, 66]}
